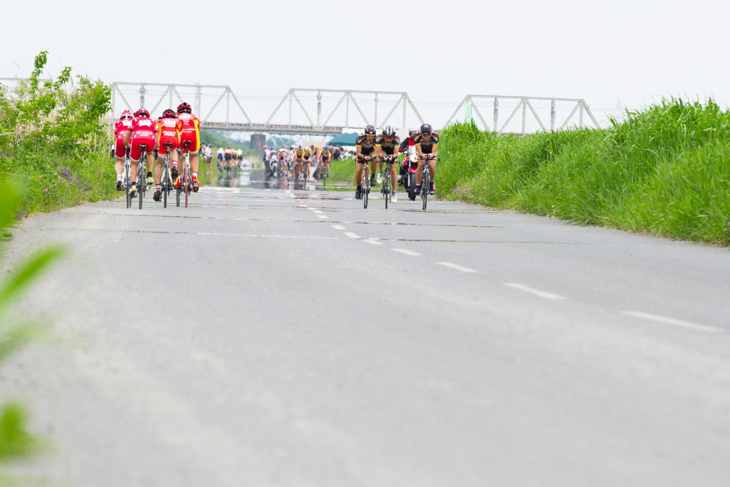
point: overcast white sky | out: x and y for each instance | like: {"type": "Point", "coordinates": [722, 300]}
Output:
{"type": "Point", "coordinates": [630, 50]}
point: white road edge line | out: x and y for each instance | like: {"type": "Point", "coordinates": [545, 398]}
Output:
{"type": "Point", "coordinates": [373, 241]}
{"type": "Point", "coordinates": [407, 252]}
{"type": "Point", "coordinates": [671, 321]}
{"type": "Point", "coordinates": [533, 291]}
{"type": "Point", "coordinates": [456, 267]}
{"type": "Point", "coordinates": [352, 235]}
{"type": "Point", "coordinates": [338, 227]}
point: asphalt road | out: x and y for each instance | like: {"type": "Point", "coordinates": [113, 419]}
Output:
{"type": "Point", "coordinates": [290, 337]}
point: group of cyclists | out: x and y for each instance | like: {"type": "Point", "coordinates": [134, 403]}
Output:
{"type": "Point", "coordinates": [303, 162]}
{"type": "Point", "coordinates": [229, 158]}
{"type": "Point", "coordinates": [180, 131]}
{"type": "Point", "coordinates": [421, 144]}
{"type": "Point", "coordinates": [143, 137]}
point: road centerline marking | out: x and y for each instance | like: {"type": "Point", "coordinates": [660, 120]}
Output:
{"type": "Point", "coordinates": [324, 217]}
{"type": "Point", "coordinates": [407, 252]}
{"type": "Point", "coordinates": [456, 267]}
{"type": "Point", "coordinates": [533, 291]}
{"type": "Point", "coordinates": [672, 321]}
{"type": "Point", "coordinates": [338, 227]}
{"type": "Point", "coordinates": [372, 241]}
{"type": "Point", "coordinates": [316, 212]}
{"type": "Point", "coordinates": [352, 235]}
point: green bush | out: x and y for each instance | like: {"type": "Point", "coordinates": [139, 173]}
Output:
{"type": "Point", "coordinates": [56, 142]}
{"type": "Point", "coordinates": [663, 171]}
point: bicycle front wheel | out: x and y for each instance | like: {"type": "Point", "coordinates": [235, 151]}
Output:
{"type": "Point", "coordinates": [366, 189]}
{"type": "Point", "coordinates": [425, 187]}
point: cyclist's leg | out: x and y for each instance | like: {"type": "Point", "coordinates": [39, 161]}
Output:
{"type": "Point", "coordinates": [419, 171]}
{"type": "Point", "coordinates": [358, 174]}
{"type": "Point", "coordinates": [393, 173]}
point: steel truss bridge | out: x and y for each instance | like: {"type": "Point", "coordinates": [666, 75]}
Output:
{"type": "Point", "coordinates": [302, 111]}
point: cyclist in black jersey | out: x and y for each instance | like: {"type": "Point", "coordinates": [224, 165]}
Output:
{"type": "Point", "coordinates": [388, 145]}
{"type": "Point", "coordinates": [427, 149]}
{"type": "Point", "coordinates": [365, 145]}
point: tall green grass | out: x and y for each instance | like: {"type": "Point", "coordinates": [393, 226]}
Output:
{"type": "Point", "coordinates": [663, 171]}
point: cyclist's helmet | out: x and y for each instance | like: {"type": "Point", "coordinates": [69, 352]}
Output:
{"type": "Point", "coordinates": [169, 113]}
{"type": "Point", "coordinates": [299, 147]}
{"type": "Point", "coordinates": [326, 147]}
{"type": "Point", "coordinates": [426, 129]}
{"type": "Point", "coordinates": [388, 131]}
{"type": "Point", "coordinates": [184, 108]}
{"type": "Point", "coordinates": [369, 130]}
{"type": "Point", "coordinates": [142, 112]}
{"type": "Point", "coordinates": [126, 114]}
{"type": "Point", "coordinates": [412, 132]}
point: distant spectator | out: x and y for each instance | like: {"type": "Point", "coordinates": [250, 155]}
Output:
{"type": "Point", "coordinates": [337, 153]}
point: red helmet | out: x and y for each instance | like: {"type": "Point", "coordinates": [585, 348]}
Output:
{"type": "Point", "coordinates": [126, 114]}
{"type": "Point", "coordinates": [184, 108]}
{"type": "Point", "coordinates": [142, 112]}
{"type": "Point", "coordinates": [169, 113]}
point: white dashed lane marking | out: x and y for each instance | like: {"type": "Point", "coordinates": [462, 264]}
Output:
{"type": "Point", "coordinates": [338, 227]}
{"type": "Point", "coordinates": [373, 242]}
{"type": "Point", "coordinates": [351, 235]}
{"type": "Point", "coordinates": [407, 252]}
{"type": "Point", "coordinates": [671, 321]}
{"type": "Point", "coordinates": [457, 267]}
{"type": "Point", "coordinates": [533, 291]}
{"type": "Point", "coordinates": [323, 217]}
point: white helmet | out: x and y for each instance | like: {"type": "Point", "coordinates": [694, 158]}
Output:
{"type": "Point", "coordinates": [388, 131]}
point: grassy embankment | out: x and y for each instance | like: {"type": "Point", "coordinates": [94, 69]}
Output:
{"type": "Point", "coordinates": [54, 142]}
{"type": "Point", "coordinates": [342, 173]}
{"type": "Point", "coordinates": [663, 171]}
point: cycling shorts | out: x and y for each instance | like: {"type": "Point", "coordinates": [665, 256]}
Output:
{"type": "Point", "coordinates": [192, 137]}
{"type": "Point", "coordinates": [170, 140]}
{"type": "Point", "coordinates": [136, 152]}
{"type": "Point", "coordinates": [325, 159]}
{"type": "Point", "coordinates": [119, 149]}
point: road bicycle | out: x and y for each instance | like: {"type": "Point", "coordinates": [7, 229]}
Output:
{"type": "Point", "coordinates": [142, 174]}
{"type": "Point", "coordinates": [185, 184]}
{"type": "Point", "coordinates": [324, 172]}
{"type": "Point", "coordinates": [386, 188]}
{"type": "Point", "coordinates": [166, 185]}
{"type": "Point", "coordinates": [365, 183]}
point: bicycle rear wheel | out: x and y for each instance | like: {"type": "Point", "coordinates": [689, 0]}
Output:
{"type": "Point", "coordinates": [186, 182]}
{"type": "Point", "coordinates": [141, 183]}
{"type": "Point", "coordinates": [126, 185]}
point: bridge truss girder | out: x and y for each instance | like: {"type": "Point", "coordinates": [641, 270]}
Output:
{"type": "Point", "coordinates": [171, 91]}
{"type": "Point", "coordinates": [524, 104]}
{"type": "Point", "coordinates": [403, 100]}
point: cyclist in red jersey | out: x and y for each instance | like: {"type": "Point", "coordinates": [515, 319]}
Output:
{"type": "Point", "coordinates": [169, 132]}
{"type": "Point", "coordinates": [189, 131]}
{"type": "Point", "coordinates": [120, 131]}
{"type": "Point", "coordinates": [143, 131]}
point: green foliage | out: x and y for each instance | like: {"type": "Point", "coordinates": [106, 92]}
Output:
{"type": "Point", "coordinates": [664, 171]}
{"type": "Point", "coordinates": [15, 441]}
{"type": "Point", "coordinates": [57, 143]}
